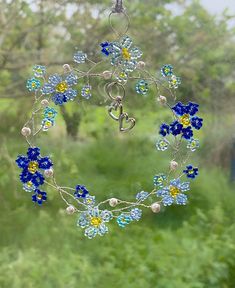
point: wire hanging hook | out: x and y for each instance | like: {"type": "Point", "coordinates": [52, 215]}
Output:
{"type": "Point", "coordinates": [118, 8]}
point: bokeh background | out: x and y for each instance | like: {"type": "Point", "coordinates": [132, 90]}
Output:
{"type": "Point", "coordinates": [182, 247]}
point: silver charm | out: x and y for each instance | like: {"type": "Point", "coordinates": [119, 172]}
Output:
{"type": "Point", "coordinates": [125, 123]}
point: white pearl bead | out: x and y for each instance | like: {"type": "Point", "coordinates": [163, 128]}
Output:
{"type": "Point", "coordinates": [141, 65]}
{"type": "Point", "coordinates": [70, 210]}
{"type": "Point", "coordinates": [107, 75]}
{"type": "Point", "coordinates": [113, 202]}
{"type": "Point", "coordinates": [44, 102]}
{"type": "Point", "coordinates": [162, 99]}
{"type": "Point", "coordinates": [48, 173]}
{"type": "Point", "coordinates": [66, 68]}
{"type": "Point", "coordinates": [155, 207]}
{"type": "Point", "coordinates": [25, 131]}
{"type": "Point", "coordinates": [173, 165]}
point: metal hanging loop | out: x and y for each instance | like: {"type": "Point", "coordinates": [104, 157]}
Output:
{"type": "Point", "coordinates": [108, 90]}
{"type": "Point", "coordinates": [119, 9]}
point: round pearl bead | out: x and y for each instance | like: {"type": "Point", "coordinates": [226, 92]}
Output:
{"type": "Point", "coordinates": [141, 65]}
{"type": "Point", "coordinates": [44, 102]}
{"type": "Point", "coordinates": [107, 75]}
{"type": "Point", "coordinates": [155, 207]}
{"type": "Point", "coordinates": [66, 68]}
{"type": "Point", "coordinates": [162, 99]}
{"type": "Point", "coordinates": [25, 131]}
{"type": "Point", "coordinates": [173, 165]}
{"type": "Point", "coordinates": [113, 202]}
{"type": "Point", "coordinates": [49, 173]}
{"type": "Point", "coordinates": [70, 210]}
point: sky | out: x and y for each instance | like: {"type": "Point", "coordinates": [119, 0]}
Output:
{"type": "Point", "coordinates": [217, 6]}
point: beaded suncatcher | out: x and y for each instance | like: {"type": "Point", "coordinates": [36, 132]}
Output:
{"type": "Point", "coordinates": [124, 67]}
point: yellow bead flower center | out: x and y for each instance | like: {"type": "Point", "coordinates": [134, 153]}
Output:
{"type": "Point", "coordinates": [185, 120]}
{"type": "Point", "coordinates": [174, 191]}
{"type": "Point", "coordinates": [126, 54]}
{"type": "Point", "coordinates": [96, 221]}
{"type": "Point", "coordinates": [29, 184]}
{"type": "Point", "coordinates": [61, 87]}
{"type": "Point", "coordinates": [48, 124]}
{"type": "Point", "coordinates": [39, 196]}
{"type": "Point", "coordinates": [33, 166]}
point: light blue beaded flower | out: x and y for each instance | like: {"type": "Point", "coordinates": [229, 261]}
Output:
{"type": "Point", "coordinates": [174, 193]}
{"type": "Point", "coordinates": [142, 87]}
{"type": "Point", "coordinates": [80, 57]}
{"type": "Point", "coordinates": [174, 82]}
{"type": "Point", "coordinates": [123, 220]}
{"type": "Point", "coordinates": [135, 214]}
{"type": "Point", "coordinates": [61, 89]}
{"type": "Point", "coordinates": [142, 195]}
{"type": "Point", "coordinates": [124, 55]}
{"type": "Point", "coordinates": [39, 71]}
{"type": "Point", "coordinates": [122, 77]}
{"type": "Point", "coordinates": [47, 124]}
{"type": "Point", "coordinates": [86, 92]}
{"type": "Point", "coordinates": [28, 186]}
{"type": "Point", "coordinates": [162, 144]}
{"type": "Point", "coordinates": [89, 200]}
{"type": "Point", "coordinates": [193, 144]}
{"type": "Point", "coordinates": [159, 179]}
{"type": "Point", "coordinates": [94, 221]}
{"type": "Point", "coordinates": [33, 84]}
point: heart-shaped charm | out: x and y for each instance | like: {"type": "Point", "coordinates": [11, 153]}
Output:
{"type": "Point", "coordinates": [115, 107]}
{"type": "Point", "coordinates": [129, 121]}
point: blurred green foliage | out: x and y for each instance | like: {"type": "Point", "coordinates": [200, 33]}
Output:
{"type": "Point", "coordinates": [192, 246]}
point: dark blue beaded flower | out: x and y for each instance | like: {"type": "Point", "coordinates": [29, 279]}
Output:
{"type": "Point", "coordinates": [175, 128]}
{"type": "Point", "coordinates": [196, 122]}
{"type": "Point", "coordinates": [186, 120]}
{"type": "Point", "coordinates": [31, 165]}
{"type": "Point", "coordinates": [39, 197]}
{"type": "Point", "coordinates": [81, 191]}
{"type": "Point", "coordinates": [164, 129]}
{"type": "Point", "coordinates": [191, 172]}
{"type": "Point", "coordinates": [106, 48]}
{"type": "Point", "coordinates": [187, 133]}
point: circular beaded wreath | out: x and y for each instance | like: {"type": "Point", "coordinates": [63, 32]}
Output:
{"type": "Point", "coordinates": [125, 66]}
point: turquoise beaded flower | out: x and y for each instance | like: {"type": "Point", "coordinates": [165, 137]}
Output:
{"type": "Point", "coordinates": [167, 70]}
{"type": "Point", "coordinates": [33, 84]}
{"type": "Point", "coordinates": [86, 92]}
{"type": "Point", "coordinates": [39, 71]}
{"type": "Point", "coordinates": [94, 221]}
{"type": "Point", "coordinates": [123, 220]}
{"type": "Point", "coordinates": [142, 87]}
{"type": "Point", "coordinates": [49, 113]}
